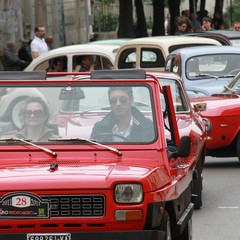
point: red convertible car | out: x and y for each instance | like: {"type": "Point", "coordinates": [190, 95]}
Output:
{"type": "Point", "coordinates": [222, 117]}
{"type": "Point", "coordinates": [73, 167]}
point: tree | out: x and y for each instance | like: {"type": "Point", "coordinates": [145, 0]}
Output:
{"type": "Point", "coordinates": [192, 6]}
{"type": "Point", "coordinates": [158, 18]}
{"type": "Point", "coordinates": [140, 24]}
{"type": "Point", "coordinates": [219, 7]}
{"type": "Point", "coordinates": [174, 9]}
{"type": "Point", "coordinates": [126, 19]}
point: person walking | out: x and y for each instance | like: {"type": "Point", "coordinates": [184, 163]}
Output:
{"type": "Point", "coordinates": [38, 44]}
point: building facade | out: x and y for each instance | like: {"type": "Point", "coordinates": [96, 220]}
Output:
{"type": "Point", "coordinates": [68, 21]}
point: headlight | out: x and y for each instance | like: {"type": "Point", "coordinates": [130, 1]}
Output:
{"type": "Point", "coordinates": [128, 193]}
{"type": "Point", "coordinates": [207, 124]}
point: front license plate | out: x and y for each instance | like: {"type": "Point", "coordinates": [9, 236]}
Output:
{"type": "Point", "coordinates": [49, 236]}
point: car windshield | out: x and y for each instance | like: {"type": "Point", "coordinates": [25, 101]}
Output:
{"type": "Point", "coordinates": [40, 113]}
{"type": "Point", "coordinates": [213, 66]}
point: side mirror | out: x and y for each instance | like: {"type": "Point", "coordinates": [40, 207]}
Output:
{"type": "Point", "coordinates": [183, 149]}
{"type": "Point", "coordinates": [200, 107]}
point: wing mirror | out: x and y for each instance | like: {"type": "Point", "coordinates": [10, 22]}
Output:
{"type": "Point", "coordinates": [200, 107]}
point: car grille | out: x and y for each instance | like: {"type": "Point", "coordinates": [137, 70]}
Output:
{"type": "Point", "coordinates": [76, 205]}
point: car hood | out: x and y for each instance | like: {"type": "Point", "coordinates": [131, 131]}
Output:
{"type": "Point", "coordinates": [219, 104]}
{"type": "Point", "coordinates": [73, 176]}
{"type": "Point", "coordinates": [208, 86]}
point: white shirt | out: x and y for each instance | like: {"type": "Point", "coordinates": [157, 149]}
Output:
{"type": "Point", "coordinates": [124, 133]}
{"type": "Point", "coordinates": [39, 45]}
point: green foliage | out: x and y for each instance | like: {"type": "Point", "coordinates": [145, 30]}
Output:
{"type": "Point", "coordinates": [232, 14]}
{"type": "Point", "coordinates": [108, 1]}
{"type": "Point", "coordinates": [105, 23]}
{"type": "Point", "coordinates": [235, 10]}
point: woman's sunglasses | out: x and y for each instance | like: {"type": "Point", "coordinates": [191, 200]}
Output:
{"type": "Point", "coordinates": [35, 113]}
{"type": "Point", "coordinates": [121, 99]}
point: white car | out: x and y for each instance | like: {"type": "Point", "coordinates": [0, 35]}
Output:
{"type": "Point", "coordinates": [150, 53]}
{"type": "Point", "coordinates": [103, 56]}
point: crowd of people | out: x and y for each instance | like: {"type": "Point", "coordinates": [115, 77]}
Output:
{"type": "Point", "coordinates": [191, 22]}
{"type": "Point", "coordinates": [31, 49]}
{"type": "Point", "coordinates": [17, 60]}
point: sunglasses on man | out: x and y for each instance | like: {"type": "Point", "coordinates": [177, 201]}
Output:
{"type": "Point", "coordinates": [121, 99]}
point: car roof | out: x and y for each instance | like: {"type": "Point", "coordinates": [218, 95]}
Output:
{"type": "Point", "coordinates": [205, 50]}
{"type": "Point", "coordinates": [171, 40]}
{"type": "Point", "coordinates": [228, 33]}
{"type": "Point", "coordinates": [114, 41]}
{"type": "Point", "coordinates": [226, 37]}
{"type": "Point", "coordinates": [81, 48]}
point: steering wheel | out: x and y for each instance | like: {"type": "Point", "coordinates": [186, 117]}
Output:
{"type": "Point", "coordinates": [234, 71]}
{"type": "Point", "coordinates": [112, 135]}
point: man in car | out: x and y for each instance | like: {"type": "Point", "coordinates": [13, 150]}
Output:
{"type": "Point", "coordinates": [124, 122]}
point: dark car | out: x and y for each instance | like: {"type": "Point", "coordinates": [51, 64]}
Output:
{"type": "Point", "coordinates": [225, 37]}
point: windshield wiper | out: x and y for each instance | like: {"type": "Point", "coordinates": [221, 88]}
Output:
{"type": "Point", "coordinates": [229, 89]}
{"type": "Point", "coordinates": [87, 140]}
{"type": "Point", "coordinates": [206, 75]}
{"type": "Point", "coordinates": [28, 141]}
{"type": "Point", "coordinates": [227, 76]}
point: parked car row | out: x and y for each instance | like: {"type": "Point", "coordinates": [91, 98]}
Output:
{"type": "Point", "coordinates": [153, 182]}
{"type": "Point", "coordinates": [127, 57]}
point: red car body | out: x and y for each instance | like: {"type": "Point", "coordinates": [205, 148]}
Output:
{"type": "Point", "coordinates": [222, 116]}
{"type": "Point", "coordinates": [72, 187]}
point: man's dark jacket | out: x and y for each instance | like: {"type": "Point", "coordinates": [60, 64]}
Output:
{"type": "Point", "coordinates": [142, 129]}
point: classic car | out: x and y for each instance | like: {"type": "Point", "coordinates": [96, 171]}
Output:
{"type": "Point", "coordinates": [150, 53]}
{"type": "Point", "coordinates": [103, 55]}
{"type": "Point", "coordinates": [204, 70]}
{"type": "Point", "coordinates": [113, 41]}
{"type": "Point", "coordinates": [224, 36]}
{"type": "Point", "coordinates": [72, 186]}
{"type": "Point", "coordinates": [222, 117]}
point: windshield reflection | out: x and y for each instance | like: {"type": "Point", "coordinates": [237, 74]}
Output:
{"type": "Point", "coordinates": [64, 111]}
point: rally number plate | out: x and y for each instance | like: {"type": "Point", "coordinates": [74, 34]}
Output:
{"type": "Point", "coordinates": [49, 236]}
